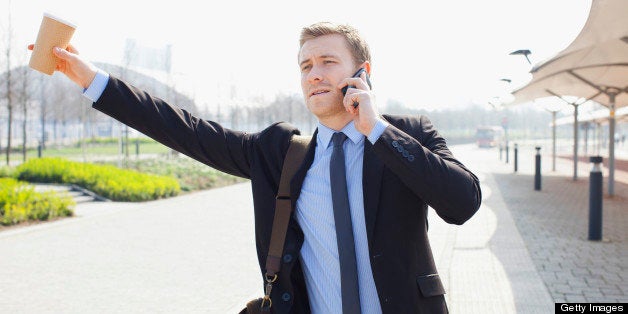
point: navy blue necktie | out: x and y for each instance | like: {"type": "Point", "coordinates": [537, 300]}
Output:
{"type": "Point", "coordinates": [344, 229]}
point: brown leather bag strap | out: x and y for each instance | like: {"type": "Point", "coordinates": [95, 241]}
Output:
{"type": "Point", "coordinates": [283, 205]}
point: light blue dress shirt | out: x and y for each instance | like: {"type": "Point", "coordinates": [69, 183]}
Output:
{"type": "Point", "coordinates": [97, 86]}
{"type": "Point", "coordinates": [314, 213]}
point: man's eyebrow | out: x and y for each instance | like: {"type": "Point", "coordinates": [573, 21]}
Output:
{"type": "Point", "coordinates": [326, 56]}
{"type": "Point", "coordinates": [304, 62]}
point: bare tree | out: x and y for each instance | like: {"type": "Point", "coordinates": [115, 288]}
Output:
{"type": "Point", "coordinates": [24, 99]}
{"type": "Point", "coordinates": [63, 106]}
{"type": "Point", "coordinates": [130, 54]}
{"type": "Point", "coordinates": [8, 83]}
{"type": "Point", "coordinates": [42, 111]}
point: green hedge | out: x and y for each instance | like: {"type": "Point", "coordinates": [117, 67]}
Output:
{"type": "Point", "coordinates": [114, 140]}
{"type": "Point", "coordinates": [19, 202]}
{"type": "Point", "coordinates": [108, 181]}
{"type": "Point", "coordinates": [192, 175]}
{"type": "Point", "coordinates": [6, 172]}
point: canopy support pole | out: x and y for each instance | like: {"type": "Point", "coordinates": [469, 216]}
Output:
{"type": "Point", "coordinates": [575, 129]}
{"type": "Point", "coordinates": [611, 146]}
{"type": "Point", "coordinates": [611, 92]}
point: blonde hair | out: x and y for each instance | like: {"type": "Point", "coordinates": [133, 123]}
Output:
{"type": "Point", "coordinates": [357, 45]}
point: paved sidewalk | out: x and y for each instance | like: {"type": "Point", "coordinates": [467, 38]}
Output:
{"type": "Point", "coordinates": [169, 256]}
{"type": "Point", "coordinates": [523, 251]}
{"type": "Point", "coordinates": [485, 264]}
{"type": "Point", "coordinates": [554, 225]}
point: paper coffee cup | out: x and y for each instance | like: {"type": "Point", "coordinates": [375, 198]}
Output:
{"type": "Point", "coordinates": [53, 32]}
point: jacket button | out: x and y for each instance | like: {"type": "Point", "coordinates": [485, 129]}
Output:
{"type": "Point", "coordinates": [399, 149]}
{"type": "Point", "coordinates": [286, 296]}
{"type": "Point", "coordinates": [395, 144]}
{"type": "Point", "coordinates": [411, 158]}
{"type": "Point", "coordinates": [287, 258]}
{"type": "Point", "coordinates": [405, 153]}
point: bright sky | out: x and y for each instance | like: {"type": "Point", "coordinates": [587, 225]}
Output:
{"type": "Point", "coordinates": [426, 54]}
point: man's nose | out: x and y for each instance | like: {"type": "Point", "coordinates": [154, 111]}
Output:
{"type": "Point", "coordinates": [315, 75]}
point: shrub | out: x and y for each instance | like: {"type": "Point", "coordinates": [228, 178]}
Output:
{"type": "Point", "coordinates": [113, 140]}
{"type": "Point", "coordinates": [108, 181]}
{"type": "Point", "coordinates": [19, 202]}
{"type": "Point", "coordinates": [191, 174]}
{"type": "Point", "coordinates": [6, 172]}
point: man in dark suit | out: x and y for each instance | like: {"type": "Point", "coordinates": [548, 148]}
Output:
{"type": "Point", "coordinates": [395, 167]}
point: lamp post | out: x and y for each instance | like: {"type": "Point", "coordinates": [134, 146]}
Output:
{"type": "Point", "coordinates": [553, 108]}
{"type": "Point", "coordinates": [495, 102]}
{"type": "Point", "coordinates": [522, 52]}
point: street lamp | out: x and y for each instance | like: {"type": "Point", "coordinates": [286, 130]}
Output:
{"type": "Point", "coordinates": [553, 108]}
{"type": "Point", "coordinates": [526, 53]}
{"type": "Point", "coordinates": [522, 52]}
{"type": "Point", "coordinates": [505, 121]}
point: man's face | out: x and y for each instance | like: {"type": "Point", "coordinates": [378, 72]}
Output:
{"type": "Point", "coordinates": [325, 61]}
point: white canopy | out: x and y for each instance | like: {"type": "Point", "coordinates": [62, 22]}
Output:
{"type": "Point", "coordinates": [598, 116]}
{"type": "Point", "coordinates": [594, 66]}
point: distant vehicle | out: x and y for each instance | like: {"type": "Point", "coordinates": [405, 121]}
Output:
{"type": "Point", "coordinates": [489, 136]}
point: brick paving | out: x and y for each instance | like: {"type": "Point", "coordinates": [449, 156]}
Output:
{"type": "Point", "coordinates": [554, 225]}
{"type": "Point", "coordinates": [525, 250]}
{"type": "Point", "coordinates": [485, 264]}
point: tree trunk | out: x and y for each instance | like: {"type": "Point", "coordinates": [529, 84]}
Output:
{"type": "Point", "coordinates": [10, 117]}
{"type": "Point", "coordinates": [9, 138]}
{"type": "Point", "coordinates": [42, 89]}
{"type": "Point", "coordinates": [24, 98]}
{"type": "Point", "coordinates": [25, 111]}
{"type": "Point", "coordinates": [9, 94]}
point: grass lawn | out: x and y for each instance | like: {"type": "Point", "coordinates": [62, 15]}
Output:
{"type": "Point", "coordinates": [191, 174]}
{"type": "Point", "coordinates": [91, 151]}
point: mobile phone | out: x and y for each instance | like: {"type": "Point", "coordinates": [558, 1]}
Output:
{"type": "Point", "coordinates": [357, 74]}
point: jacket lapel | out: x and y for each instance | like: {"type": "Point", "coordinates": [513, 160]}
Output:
{"type": "Point", "coordinates": [372, 170]}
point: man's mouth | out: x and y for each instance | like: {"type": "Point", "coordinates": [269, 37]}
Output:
{"type": "Point", "coordinates": [319, 92]}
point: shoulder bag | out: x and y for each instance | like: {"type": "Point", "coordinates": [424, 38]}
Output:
{"type": "Point", "coordinates": [283, 210]}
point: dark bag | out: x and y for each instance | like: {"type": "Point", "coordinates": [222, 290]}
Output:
{"type": "Point", "coordinates": [256, 306]}
{"type": "Point", "coordinates": [283, 210]}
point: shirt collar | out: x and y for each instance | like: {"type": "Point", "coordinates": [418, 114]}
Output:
{"type": "Point", "coordinates": [325, 133]}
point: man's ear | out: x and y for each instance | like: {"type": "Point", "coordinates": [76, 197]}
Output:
{"type": "Point", "coordinates": [367, 66]}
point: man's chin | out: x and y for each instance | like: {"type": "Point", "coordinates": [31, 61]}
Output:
{"type": "Point", "coordinates": [324, 102]}
{"type": "Point", "coordinates": [324, 110]}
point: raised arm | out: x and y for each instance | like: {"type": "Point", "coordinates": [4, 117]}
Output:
{"type": "Point", "coordinates": [421, 159]}
{"type": "Point", "coordinates": [77, 69]}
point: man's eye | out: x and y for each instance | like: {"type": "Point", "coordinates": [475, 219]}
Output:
{"type": "Point", "coordinates": [305, 68]}
{"type": "Point", "coordinates": [328, 61]}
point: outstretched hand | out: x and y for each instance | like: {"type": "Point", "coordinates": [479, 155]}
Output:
{"type": "Point", "coordinates": [73, 66]}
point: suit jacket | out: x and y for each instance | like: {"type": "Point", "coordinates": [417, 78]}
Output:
{"type": "Point", "coordinates": [407, 169]}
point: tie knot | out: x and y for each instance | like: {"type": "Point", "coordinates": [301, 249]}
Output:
{"type": "Point", "coordinates": [338, 138]}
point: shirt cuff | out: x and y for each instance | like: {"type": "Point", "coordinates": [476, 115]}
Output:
{"type": "Point", "coordinates": [378, 130]}
{"type": "Point", "coordinates": [97, 86]}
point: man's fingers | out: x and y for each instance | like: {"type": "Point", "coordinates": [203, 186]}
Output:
{"type": "Point", "coordinates": [65, 54]}
{"type": "Point", "coordinates": [72, 49]}
{"type": "Point", "coordinates": [61, 53]}
{"type": "Point", "coordinates": [354, 82]}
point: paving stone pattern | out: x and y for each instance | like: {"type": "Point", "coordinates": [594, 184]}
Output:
{"type": "Point", "coordinates": [554, 225]}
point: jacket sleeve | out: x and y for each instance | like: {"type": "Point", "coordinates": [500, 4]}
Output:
{"type": "Point", "coordinates": [421, 160]}
{"type": "Point", "coordinates": [206, 141]}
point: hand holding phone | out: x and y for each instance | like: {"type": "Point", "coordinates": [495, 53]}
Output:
{"type": "Point", "coordinates": [357, 74]}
